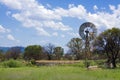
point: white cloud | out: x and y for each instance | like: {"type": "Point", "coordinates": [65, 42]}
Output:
{"type": "Point", "coordinates": [42, 32]}
{"type": "Point", "coordinates": [73, 34]}
{"type": "Point", "coordinates": [95, 7]}
{"type": "Point", "coordinates": [56, 25]}
{"type": "Point", "coordinates": [112, 7]}
{"type": "Point", "coordinates": [3, 30]}
{"type": "Point", "coordinates": [34, 15]}
{"type": "Point", "coordinates": [10, 37]}
{"type": "Point", "coordinates": [104, 19]}
{"type": "Point", "coordinates": [72, 11]}
{"type": "Point", "coordinates": [71, 5]}
{"type": "Point", "coordinates": [78, 12]}
{"type": "Point", "coordinates": [55, 34]}
{"type": "Point", "coordinates": [15, 5]}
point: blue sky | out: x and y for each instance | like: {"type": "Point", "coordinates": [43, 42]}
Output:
{"type": "Point", "coordinates": [29, 22]}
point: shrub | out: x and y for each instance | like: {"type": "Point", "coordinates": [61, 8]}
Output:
{"type": "Point", "coordinates": [32, 61]}
{"type": "Point", "coordinates": [12, 63]}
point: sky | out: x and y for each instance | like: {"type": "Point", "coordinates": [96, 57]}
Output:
{"type": "Point", "coordinates": [39, 22]}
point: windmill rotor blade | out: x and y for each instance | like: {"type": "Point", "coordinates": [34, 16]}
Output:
{"type": "Point", "coordinates": [87, 26]}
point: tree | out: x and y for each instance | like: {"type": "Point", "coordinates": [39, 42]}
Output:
{"type": "Point", "coordinates": [32, 52]}
{"type": "Point", "coordinates": [98, 54]}
{"type": "Point", "coordinates": [1, 55]}
{"type": "Point", "coordinates": [13, 52]}
{"type": "Point", "coordinates": [109, 41]}
{"type": "Point", "coordinates": [75, 45]}
{"type": "Point", "coordinates": [49, 49]}
{"type": "Point", "coordinates": [58, 51]}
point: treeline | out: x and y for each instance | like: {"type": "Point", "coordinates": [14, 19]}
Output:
{"type": "Point", "coordinates": [36, 52]}
{"type": "Point", "coordinates": [105, 46]}
{"type": "Point", "coordinates": [49, 52]}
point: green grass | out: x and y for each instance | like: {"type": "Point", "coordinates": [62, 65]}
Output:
{"type": "Point", "coordinates": [58, 73]}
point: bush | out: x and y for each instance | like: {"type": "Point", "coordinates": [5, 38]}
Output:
{"type": "Point", "coordinates": [12, 63]}
{"type": "Point", "coordinates": [32, 61]}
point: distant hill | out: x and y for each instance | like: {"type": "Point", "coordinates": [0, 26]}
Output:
{"type": "Point", "coordinates": [5, 49]}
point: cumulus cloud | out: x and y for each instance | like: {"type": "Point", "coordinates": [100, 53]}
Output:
{"type": "Point", "coordinates": [112, 7]}
{"type": "Point", "coordinates": [73, 34]}
{"type": "Point", "coordinates": [105, 19]}
{"type": "Point", "coordinates": [10, 37]}
{"type": "Point", "coordinates": [41, 31]}
{"type": "Point", "coordinates": [3, 30]}
{"type": "Point", "coordinates": [95, 7]}
{"type": "Point", "coordinates": [56, 25]}
{"type": "Point", "coordinates": [34, 15]}
{"type": "Point", "coordinates": [15, 5]}
{"type": "Point", "coordinates": [73, 11]}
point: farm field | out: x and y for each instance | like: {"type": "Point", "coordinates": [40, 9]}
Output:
{"type": "Point", "coordinates": [65, 72]}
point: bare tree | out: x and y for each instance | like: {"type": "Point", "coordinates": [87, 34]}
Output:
{"type": "Point", "coordinates": [13, 52]}
{"type": "Point", "coordinates": [49, 49]}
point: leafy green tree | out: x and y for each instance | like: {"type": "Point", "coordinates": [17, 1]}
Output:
{"type": "Point", "coordinates": [58, 51]}
{"type": "Point", "coordinates": [109, 41]}
{"type": "Point", "coordinates": [75, 45]}
{"type": "Point", "coordinates": [32, 52]}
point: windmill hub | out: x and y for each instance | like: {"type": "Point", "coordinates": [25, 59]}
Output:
{"type": "Point", "coordinates": [86, 32]}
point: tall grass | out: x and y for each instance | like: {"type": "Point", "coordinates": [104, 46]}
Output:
{"type": "Point", "coordinates": [58, 73]}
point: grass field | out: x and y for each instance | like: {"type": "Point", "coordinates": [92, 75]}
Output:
{"type": "Point", "coordinates": [58, 73]}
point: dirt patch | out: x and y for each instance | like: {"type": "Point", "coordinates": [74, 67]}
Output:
{"type": "Point", "coordinates": [93, 68]}
{"type": "Point", "coordinates": [54, 62]}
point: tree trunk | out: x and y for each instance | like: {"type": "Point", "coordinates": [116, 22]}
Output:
{"type": "Point", "coordinates": [49, 56]}
{"type": "Point", "coordinates": [113, 63]}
